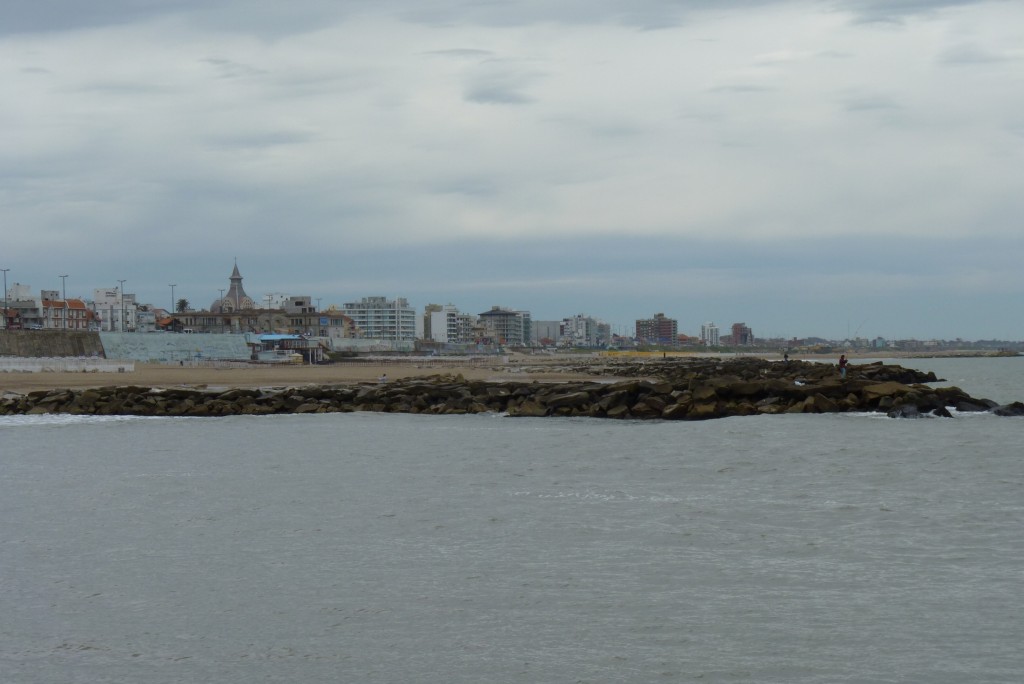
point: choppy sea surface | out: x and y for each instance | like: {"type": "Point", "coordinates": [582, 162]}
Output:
{"type": "Point", "coordinates": [400, 548]}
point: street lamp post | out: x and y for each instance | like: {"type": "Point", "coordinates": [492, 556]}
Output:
{"type": "Point", "coordinates": [5, 270]}
{"type": "Point", "coordinates": [64, 298]}
{"type": "Point", "coordinates": [120, 291]}
{"type": "Point", "coordinates": [173, 285]}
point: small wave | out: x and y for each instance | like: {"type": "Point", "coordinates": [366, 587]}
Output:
{"type": "Point", "coordinates": [68, 419]}
{"type": "Point", "coordinates": [877, 415]}
{"type": "Point", "coordinates": [599, 496]}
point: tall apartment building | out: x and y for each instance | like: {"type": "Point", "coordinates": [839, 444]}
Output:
{"type": "Point", "coordinates": [585, 331]}
{"type": "Point", "coordinates": [507, 326]}
{"type": "Point", "coordinates": [742, 335]}
{"type": "Point", "coordinates": [445, 324]}
{"type": "Point", "coordinates": [380, 318]}
{"type": "Point", "coordinates": [709, 335]}
{"type": "Point", "coordinates": [658, 330]}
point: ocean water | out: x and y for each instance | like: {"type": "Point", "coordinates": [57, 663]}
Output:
{"type": "Point", "coordinates": [400, 548]}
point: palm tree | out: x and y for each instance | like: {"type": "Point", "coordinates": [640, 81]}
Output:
{"type": "Point", "coordinates": [182, 306]}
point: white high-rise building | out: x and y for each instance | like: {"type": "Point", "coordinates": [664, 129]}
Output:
{"type": "Point", "coordinates": [446, 325]}
{"type": "Point", "coordinates": [709, 335]}
{"type": "Point", "coordinates": [380, 318]}
{"type": "Point", "coordinates": [584, 331]}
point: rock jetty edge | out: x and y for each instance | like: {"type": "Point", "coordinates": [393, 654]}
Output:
{"type": "Point", "coordinates": [672, 389]}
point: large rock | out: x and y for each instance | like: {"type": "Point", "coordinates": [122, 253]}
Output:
{"type": "Point", "coordinates": [1016, 409]}
{"type": "Point", "coordinates": [884, 389]}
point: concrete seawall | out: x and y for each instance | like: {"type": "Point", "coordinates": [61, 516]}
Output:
{"type": "Point", "coordinates": [49, 343]}
{"type": "Point", "coordinates": [174, 347]}
{"type": "Point", "coordinates": [143, 347]}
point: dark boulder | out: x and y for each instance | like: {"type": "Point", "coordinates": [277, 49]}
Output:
{"type": "Point", "coordinates": [1014, 410]}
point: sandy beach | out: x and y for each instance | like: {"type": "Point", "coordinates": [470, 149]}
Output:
{"type": "Point", "coordinates": [541, 368]}
{"type": "Point", "coordinates": [158, 375]}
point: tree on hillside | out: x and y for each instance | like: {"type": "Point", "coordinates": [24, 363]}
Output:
{"type": "Point", "coordinates": [182, 306]}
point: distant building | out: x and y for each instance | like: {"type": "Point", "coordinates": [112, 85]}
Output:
{"type": "Point", "coordinates": [657, 330]}
{"type": "Point", "coordinates": [709, 335]}
{"type": "Point", "coordinates": [742, 336]}
{"type": "Point", "coordinates": [447, 325]}
{"type": "Point", "coordinates": [298, 315]}
{"type": "Point", "coordinates": [547, 333]}
{"type": "Point", "coordinates": [508, 327]}
{"type": "Point", "coordinates": [236, 299]}
{"type": "Point", "coordinates": [584, 331]}
{"type": "Point", "coordinates": [24, 310]}
{"type": "Point", "coordinates": [61, 314]}
{"type": "Point", "coordinates": [115, 310]}
{"type": "Point", "coordinates": [47, 311]}
{"type": "Point", "coordinates": [380, 318]}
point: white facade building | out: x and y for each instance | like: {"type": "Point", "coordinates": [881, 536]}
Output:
{"type": "Point", "coordinates": [709, 335]}
{"type": "Point", "coordinates": [115, 310]}
{"type": "Point", "coordinates": [380, 318]}
{"type": "Point", "coordinates": [447, 325]}
{"type": "Point", "coordinates": [584, 331]}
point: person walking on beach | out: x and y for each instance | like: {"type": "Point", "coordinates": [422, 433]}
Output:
{"type": "Point", "coordinates": [842, 366]}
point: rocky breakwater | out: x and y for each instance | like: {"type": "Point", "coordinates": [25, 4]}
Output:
{"type": "Point", "coordinates": [688, 389]}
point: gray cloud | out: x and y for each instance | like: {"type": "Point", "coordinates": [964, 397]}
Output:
{"type": "Point", "coordinates": [895, 11]}
{"type": "Point", "coordinates": [277, 19]}
{"type": "Point", "coordinates": [463, 53]}
{"type": "Point", "coordinates": [741, 88]}
{"type": "Point", "coordinates": [970, 55]}
{"type": "Point", "coordinates": [227, 68]}
{"type": "Point", "coordinates": [500, 82]}
{"type": "Point", "coordinates": [868, 103]}
{"type": "Point", "coordinates": [264, 139]}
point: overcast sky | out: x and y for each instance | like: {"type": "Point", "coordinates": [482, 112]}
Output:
{"type": "Point", "coordinates": [819, 167]}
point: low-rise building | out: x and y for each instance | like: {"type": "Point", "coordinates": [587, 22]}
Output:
{"type": "Point", "coordinates": [114, 310]}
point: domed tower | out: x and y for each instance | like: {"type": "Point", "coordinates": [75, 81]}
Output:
{"type": "Point", "coordinates": [235, 299]}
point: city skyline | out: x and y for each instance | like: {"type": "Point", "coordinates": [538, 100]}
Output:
{"type": "Point", "coordinates": [812, 168]}
{"type": "Point", "coordinates": [627, 329]}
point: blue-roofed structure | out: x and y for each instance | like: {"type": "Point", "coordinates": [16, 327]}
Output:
{"type": "Point", "coordinates": [283, 348]}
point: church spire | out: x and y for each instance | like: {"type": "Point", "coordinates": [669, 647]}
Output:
{"type": "Point", "coordinates": [236, 299]}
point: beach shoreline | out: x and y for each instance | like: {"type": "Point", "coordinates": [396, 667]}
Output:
{"type": "Point", "coordinates": [519, 367]}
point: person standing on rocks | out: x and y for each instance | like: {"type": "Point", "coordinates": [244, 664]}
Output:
{"type": "Point", "coordinates": [842, 366]}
